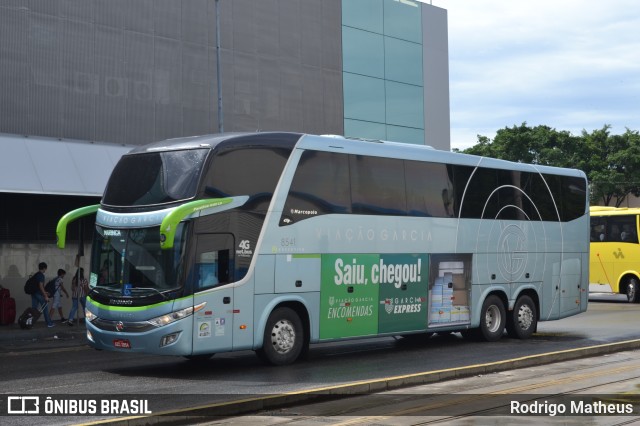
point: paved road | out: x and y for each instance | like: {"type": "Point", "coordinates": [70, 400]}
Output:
{"type": "Point", "coordinates": [601, 391]}
{"type": "Point", "coordinates": [176, 383]}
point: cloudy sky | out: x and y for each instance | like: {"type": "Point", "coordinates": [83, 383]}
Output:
{"type": "Point", "coordinates": [567, 64]}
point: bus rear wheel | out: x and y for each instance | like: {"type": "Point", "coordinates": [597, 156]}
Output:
{"type": "Point", "coordinates": [522, 322]}
{"type": "Point", "coordinates": [631, 290]}
{"type": "Point", "coordinates": [283, 337]}
{"type": "Point", "coordinates": [492, 319]}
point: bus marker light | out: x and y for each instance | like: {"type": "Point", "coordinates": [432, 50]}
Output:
{"type": "Point", "coordinates": [169, 339]}
{"type": "Point", "coordinates": [243, 327]}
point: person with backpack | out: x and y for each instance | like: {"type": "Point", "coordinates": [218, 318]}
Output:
{"type": "Point", "coordinates": [40, 296]}
{"type": "Point", "coordinates": [79, 291]}
{"type": "Point", "coordinates": [54, 288]}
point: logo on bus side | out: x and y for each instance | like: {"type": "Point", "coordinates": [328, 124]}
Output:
{"type": "Point", "coordinates": [512, 253]}
{"type": "Point", "coordinates": [244, 249]}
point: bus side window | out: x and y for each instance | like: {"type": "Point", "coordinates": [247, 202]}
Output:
{"type": "Point", "coordinates": [628, 236]}
{"type": "Point", "coordinates": [622, 229]}
{"type": "Point", "coordinates": [597, 229]}
{"type": "Point", "coordinates": [213, 262]}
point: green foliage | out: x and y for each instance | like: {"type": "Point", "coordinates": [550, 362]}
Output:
{"type": "Point", "coordinates": [611, 162]}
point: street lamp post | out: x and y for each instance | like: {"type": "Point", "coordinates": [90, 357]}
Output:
{"type": "Point", "coordinates": [219, 77]}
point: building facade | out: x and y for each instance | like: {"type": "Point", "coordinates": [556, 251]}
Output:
{"type": "Point", "coordinates": [83, 81]}
{"type": "Point", "coordinates": [395, 72]}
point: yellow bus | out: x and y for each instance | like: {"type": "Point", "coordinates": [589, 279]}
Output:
{"type": "Point", "coordinates": [615, 252]}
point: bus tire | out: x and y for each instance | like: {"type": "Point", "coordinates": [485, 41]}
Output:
{"type": "Point", "coordinates": [283, 337]}
{"type": "Point", "coordinates": [492, 319]}
{"type": "Point", "coordinates": [632, 290]}
{"type": "Point", "coordinates": [521, 324]}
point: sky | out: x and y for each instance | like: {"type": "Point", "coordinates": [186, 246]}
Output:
{"type": "Point", "coordinates": [567, 64]}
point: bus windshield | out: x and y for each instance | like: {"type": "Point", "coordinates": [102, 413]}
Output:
{"type": "Point", "coordinates": [130, 261]}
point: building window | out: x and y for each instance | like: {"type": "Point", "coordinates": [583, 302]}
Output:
{"type": "Point", "coordinates": [382, 70]}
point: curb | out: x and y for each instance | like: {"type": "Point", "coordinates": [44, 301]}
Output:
{"type": "Point", "coordinates": [250, 405]}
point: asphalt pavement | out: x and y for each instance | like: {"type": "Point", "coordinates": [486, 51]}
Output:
{"type": "Point", "coordinates": [13, 338]}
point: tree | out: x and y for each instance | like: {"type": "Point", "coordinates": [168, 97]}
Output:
{"type": "Point", "coordinates": [538, 145]}
{"type": "Point", "coordinates": [614, 165]}
{"type": "Point", "coordinates": [611, 162]}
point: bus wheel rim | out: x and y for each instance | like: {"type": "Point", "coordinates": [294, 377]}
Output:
{"type": "Point", "coordinates": [525, 317]}
{"type": "Point", "coordinates": [283, 336]}
{"type": "Point", "coordinates": [492, 318]}
{"type": "Point", "coordinates": [631, 290]}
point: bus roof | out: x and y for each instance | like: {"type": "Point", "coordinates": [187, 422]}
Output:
{"type": "Point", "coordinates": [211, 141]}
{"type": "Point", "coordinates": [612, 211]}
{"type": "Point", "coordinates": [422, 153]}
{"type": "Point", "coordinates": [336, 143]}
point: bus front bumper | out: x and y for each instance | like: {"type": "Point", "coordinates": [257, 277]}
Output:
{"type": "Point", "coordinates": [172, 339]}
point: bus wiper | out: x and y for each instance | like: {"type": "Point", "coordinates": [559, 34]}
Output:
{"type": "Point", "coordinates": [149, 288]}
{"type": "Point", "coordinates": [112, 288]}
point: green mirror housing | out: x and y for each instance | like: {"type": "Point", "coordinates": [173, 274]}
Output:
{"type": "Point", "coordinates": [61, 229]}
{"type": "Point", "coordinates": [171, 221]}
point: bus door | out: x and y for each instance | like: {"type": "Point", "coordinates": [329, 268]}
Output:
{"type": "Point", "coordinates": [625, 251]}
{"type": "Point", "coordinates": [600, 257]}
{"type": "Point", "coordinates": [213, 271]}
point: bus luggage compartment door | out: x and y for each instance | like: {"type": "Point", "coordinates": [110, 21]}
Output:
{"type": "Point", "coordinates": [570, 286]}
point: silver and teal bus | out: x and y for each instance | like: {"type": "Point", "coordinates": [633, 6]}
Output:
{"type": "Point", "coordinates": [273, 241]}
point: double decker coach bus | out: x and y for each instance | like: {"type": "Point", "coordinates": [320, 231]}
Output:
{"type": "Point", "coordinates": [273, 241]}
{"type": "Point", "coordinates": [615, 251]}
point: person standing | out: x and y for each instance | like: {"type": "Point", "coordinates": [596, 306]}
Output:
{"type": "Point", "coordinates": [40, 297]}
{"type": "Point", "coordinates": [79, 291]}
{"type": "Point", "coordinates": [58, 286]}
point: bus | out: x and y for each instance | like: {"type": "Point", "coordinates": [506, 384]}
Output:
{"type": "Point", "coordinates": [615, 252]}
{"type": "Point", "coordinates": [274, 241]}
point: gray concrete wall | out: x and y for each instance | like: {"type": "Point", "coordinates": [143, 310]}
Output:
{"type": "Point", "coordinates": [18, 261]}
{"type": "Point", "coordinates": [134, 72]}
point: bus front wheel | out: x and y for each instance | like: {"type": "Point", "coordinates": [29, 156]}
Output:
{"type": "Point", "coordinates": [283, 337]}
{"type": "Point", "coordinates": [492, 319]}
{"type": "Point", "coordinates": [631, 290]}
{"type": "Point", "coordinates": [521, 324]}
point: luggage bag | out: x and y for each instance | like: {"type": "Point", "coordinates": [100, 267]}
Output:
{"type": "Point", "coordinates": [30, 316]}
{"type": "Point", "coordinates": [7, 307]}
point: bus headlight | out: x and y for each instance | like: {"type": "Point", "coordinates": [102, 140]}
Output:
{"type": "Point", "coordinates": [176, 315]}
{"type": "Point", "coordinates": [89, 316]}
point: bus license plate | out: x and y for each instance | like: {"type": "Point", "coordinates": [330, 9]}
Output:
{"type": "Point", "coordinates": [122, 343]}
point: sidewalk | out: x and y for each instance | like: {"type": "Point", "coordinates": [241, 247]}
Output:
{"type": "Point", "coordinates": [13, 338]}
